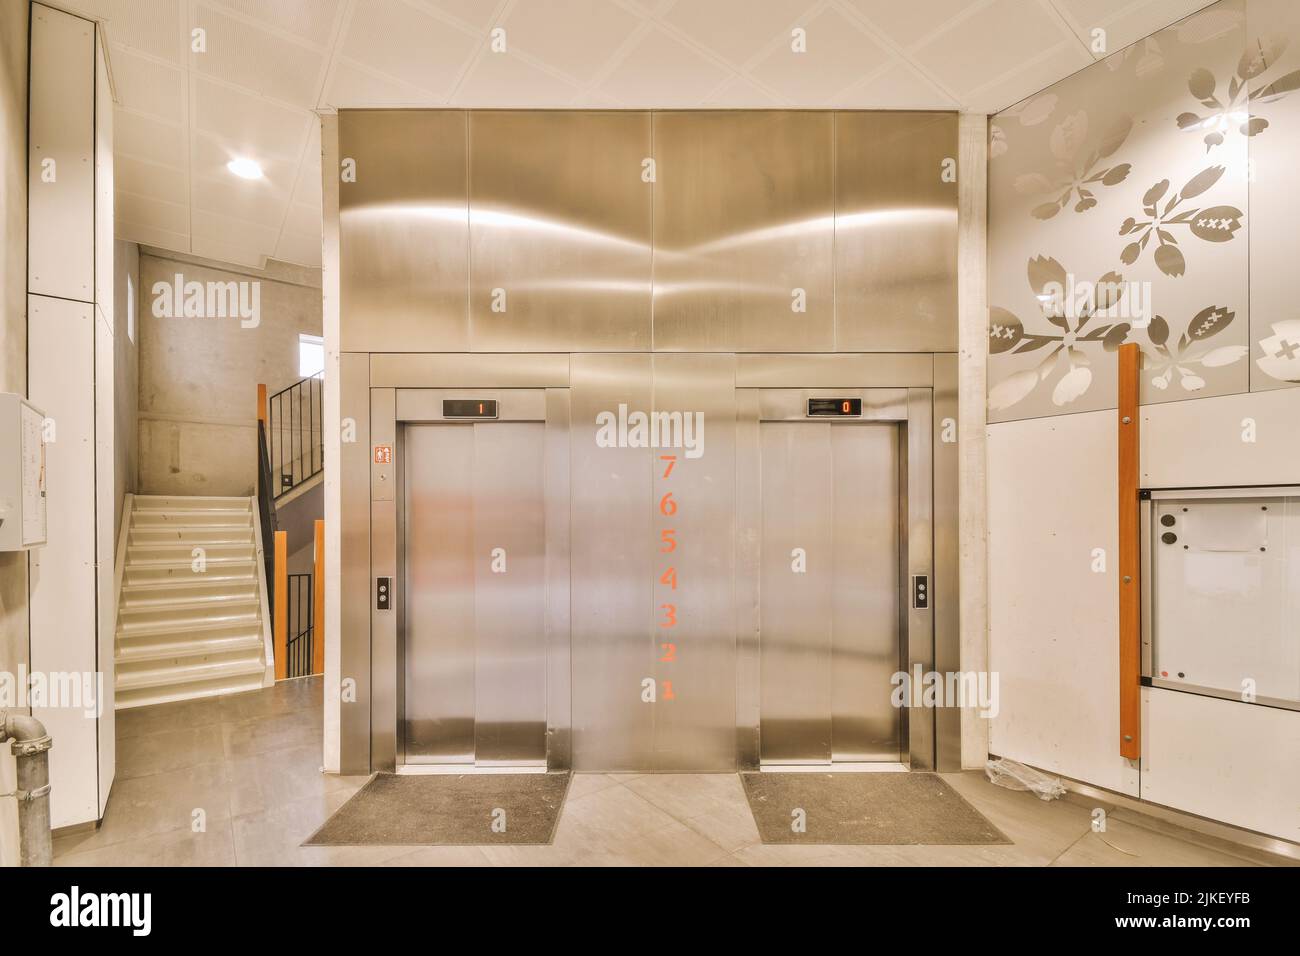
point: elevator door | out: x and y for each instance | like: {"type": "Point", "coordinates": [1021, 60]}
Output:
{"type": "Point", "coordinates": [829, 592]}
{"type": "Point", "coordinates": [473, 667]}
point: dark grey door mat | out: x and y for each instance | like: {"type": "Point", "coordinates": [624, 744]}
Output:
{"type": "Point", "coordinates": [864, 808]}
{"type": "Point", "coordinates": [479, 809]}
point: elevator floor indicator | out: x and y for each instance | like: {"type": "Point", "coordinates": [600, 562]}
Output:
{"type": "Point", "coordinates": [880, 809]}
{"type": "Point", "coordinates": [484, 809]}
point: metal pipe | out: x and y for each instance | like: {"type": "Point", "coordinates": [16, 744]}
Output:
{"type": "Point", "coordinates": [30, 745]}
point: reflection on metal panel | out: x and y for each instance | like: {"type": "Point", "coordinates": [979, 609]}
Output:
{"type": "Point", "coordinates": [864, 609]}
{"type": "Point", "coordinates": [749, 521]}
{"type": "Point", "coordinates": [613, 558]}
{"type": "Point", "coordinates": [385, 481]}
{"type": "Point", "coordinates": [559, 749]}
{"type": "Point", "coordinates": [895, 232]}
{"type": "Point", "coordinates": [403, 231]}
{"type": "Point", "coordinates": [509, 593]}
{"type": "Point", "coordinates": [944, 586]}
{"type": "Point", "coordinates": [559, 231]}
{"type": "Point", "coordinates": [693, 544]}
{"type": "Point", "coordinates": [354, 564]}
{"type": "Point", "coordinates": [900, 370]}
{"type": "Point", "coordinates": [796, 591]}
{"type": "Point", "coordinates": [438, 646]}
{"type": "Point", "coordinates": [743, 231]}
{"type": "Point", "coordinates": [918, 559]}
{"type": "Point", "coordinates": [466, 370]}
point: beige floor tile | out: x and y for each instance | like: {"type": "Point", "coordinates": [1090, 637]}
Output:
{"type": "Point", "coordinates": [273, 837]}
{"type": "Point", "coordinates": [137, 721]}
{"type": "Point", "coordinates": [1126, 845]}
{"type": "Point", "coordinates": [687, 795]}
{"type": "Point", "coordinates": [440, 856]}
{"type": "Point", "coordinates": [1040, 830]}
{"type": "Point", "coordinates": [141, 807]}
{"type": "Point", "coordinates": [215, 847]}
{"type": "Point", "coordinates": [273, 732]}
{"type": "Point", "coordinates": [265, 780]}
{"type": "Point", "coordinates": [169, 750]}
{"type": "Point", "coordinates": [582, 784]}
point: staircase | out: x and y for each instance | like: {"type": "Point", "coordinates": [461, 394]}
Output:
{"type": "Point", "coordinates": [191, 623]}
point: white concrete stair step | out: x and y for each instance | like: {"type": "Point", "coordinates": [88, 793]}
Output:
{"type": "Point", "coordinates": [188, 503]}
{"type": "Point", "coordinates": [179, 552]}
{"type": "Point", "coordinates": [239, 570]}
{"type": "Point", "coordinates": [247, 645]}
{"type": "Point", "coordinates": [180, 535]}
{"type": "Point", "coordinates": [167, 676]}
{"type": "Point", "coordinates": [186, 594]}
{"type": "Point", "coordinates": [220, 517]}
{"type": "Point", "coordinates": [163, 694]}
{"type": "Point", "coordinates": [199, 621]}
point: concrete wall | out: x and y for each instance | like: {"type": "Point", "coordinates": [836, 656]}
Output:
{"type": "Point", "coordinates": [199, 375]}
{"type": "Point", "coordinates": [13, 352]}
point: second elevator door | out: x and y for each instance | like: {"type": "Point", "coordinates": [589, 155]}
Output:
{"type": "Point", "coordinates": [829, 592]}
{"type": "Point", "coordinates": [474, 678]}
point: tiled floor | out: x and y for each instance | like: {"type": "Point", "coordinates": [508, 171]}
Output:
{"type": "Point", "coordinates": [236, 781]}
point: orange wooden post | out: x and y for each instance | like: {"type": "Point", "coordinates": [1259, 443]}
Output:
{"type": "Point", "coordinates": [1130, 557]}
{"type": "Point", "coordinates": [318, 601]}
{"type": "Point", "coordinates": [261, 417]}
{"type": "Point", "coordinates": [281, 609]}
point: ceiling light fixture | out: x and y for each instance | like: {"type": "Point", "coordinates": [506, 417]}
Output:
{"type": "Point", "coordinates": [245, 168]}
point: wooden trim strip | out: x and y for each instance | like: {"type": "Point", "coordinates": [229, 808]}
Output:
{"type": "Point", "coordinates": [281, 619]}
{"type": "Point", "coordinates": [1130, 560]}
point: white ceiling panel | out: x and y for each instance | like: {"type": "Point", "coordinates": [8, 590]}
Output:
{"type": "Point", "coordinates": [660, 70]}
{"type": "Point", "coordinates": [409, 44]}
{"type": "Point", "coordinates": [839, 53]}
{"type": "Point", "coordinates": [270, 63]}
{"type": "Point", "coordinates": [546, 32]}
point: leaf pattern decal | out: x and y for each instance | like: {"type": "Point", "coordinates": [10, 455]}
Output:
{"type": "Point", "coordinates": [1066, 345]}
{"type": "Point", "coordinates": [1163, 361]}
{"type": "Point", "coordinates": [1231, 107]}
{"type": "Point", "coordinates": [1079, 172]}
{"type": "Point", "coordinates": [1212, 224]}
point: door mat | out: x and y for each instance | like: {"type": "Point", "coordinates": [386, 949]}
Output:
{"type": "Point", "coordinates": [482, 809]}
{"type": "Point", "coordinates": [883, 809]}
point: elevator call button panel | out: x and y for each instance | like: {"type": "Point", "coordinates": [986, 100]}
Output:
{"type": "Point", "coordinates": [920, 592]}
{"type": "Point", "coordinates": [469, 408]}
{"type": "Point", "coordinates": [834, 408]}
{"type": "Point", "coordinates": [383, 594]}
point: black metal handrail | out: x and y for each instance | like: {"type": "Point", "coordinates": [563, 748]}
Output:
{"type": "Point", "coordinates": [266, 511]}
{"type": "Point", "coordinates": [296, 443]}
{"type": "Point", "coordinates": [302, 626]}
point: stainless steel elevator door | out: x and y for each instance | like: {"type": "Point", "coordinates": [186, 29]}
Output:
{"type": "Point", "coordinates": [829, 592]}
{"type": "Point", "coordinates": [473, 644]}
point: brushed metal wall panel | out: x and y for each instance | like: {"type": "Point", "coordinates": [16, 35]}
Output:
{"type": "Point", "coordinates": [559, 231]}
{"type": "Point", "coordinates": [944, 588]}
{"type": "Point", "coordinates": [403, 231]}
{"type": "Point", "coordinates": [742, 218]}
{"type": "Point", "coordinates": [895, 232]}
{"type": "Point", "coordinates": [385, 682]}
{"type": "Point", "coordinates": [695, 730]}
{"type": "Point", "coordinates": [467, 370]}
{"type": "Point", "coordinates": [613, 558]}
{"type": "Point", "coordinates": [831, 370]}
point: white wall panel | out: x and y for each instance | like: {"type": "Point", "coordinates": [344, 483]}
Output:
{"type": "Point", "coordinates": [1202, 444]}
{"type": "Point", "coordinates": [61, 241]}
{"type": "Point", "coordinates": [1053, 621]}
{"type": "Point", "coordinates": [61, 353]}
{"type": "Point", "coordinates": [1235, 762]}
{"type": "Point", "coordinates": [105, 539]}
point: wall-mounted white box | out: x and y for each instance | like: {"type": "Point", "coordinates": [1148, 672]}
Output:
{"type": "Point", "coordinates": [22, 474]}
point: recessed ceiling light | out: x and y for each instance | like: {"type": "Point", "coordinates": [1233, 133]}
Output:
{"type": "Point", "coordinates": [245, 168]}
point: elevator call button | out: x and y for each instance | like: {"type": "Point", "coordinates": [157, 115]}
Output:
{"type": "Point", "coordinates": [834, 408]}
{"type": "Point", "coordinates": [920, 592]}
{"type": "Point", "coordinates": [469, 408]}
{"type": "Point", "coordinates": [383, 597]}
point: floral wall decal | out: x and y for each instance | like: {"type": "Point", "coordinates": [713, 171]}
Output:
{"type": "Point", "coordinates": [1078, 172]}
{"type": "Point", "coordinates": [1191, 353]}
{"type": "Point", "coordinates": [1281, 358]}
{"type": "Point", "coordinates": [1067, 343]}
{"type": "Point", "coordinates": [1212, 224]}
{"type": "Point", "coordinates": [1232, 108]}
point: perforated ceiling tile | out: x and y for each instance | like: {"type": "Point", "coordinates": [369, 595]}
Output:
{"type": "Point", "coordinates": [401, 41]}
{"type": "Point", "coordinates": [739, 30]}
{"type": "Point", "coordinates": [149, 236]}
{"type": "Point", "coordinates": [210, 154]}
{"type": "Point", "coordinates": [303, 220]}
{"type": "Point", "coordinates": [1051, 65]}
{"type": "Point", "coordinates": [205, 224]}
{"type": "Point", "coordinates": [1135, 21]}
{"type": "Point", "coordinates": [147, 86]}
{"type": "Point", "coordinates": [255, 202]}
{"type": "Point", "coordinates": [169, 183]}
{"type": "Point", "coordinates": [908, 23]}
{"type": "Point", "coordinates": [897, 87]}
{"type": "Point", "coordinates": [839, 54]}
{"type": "Point", "coordinates": [740, 93]}
{"type": "Point", "coordinates": [352, 85]}
{"type": "Point", "coordinates": [211, 247]}
{"type": "Point", "coordinates": [981, 49]}
{"type": "Point", "coordinates": [152, 213]}
{"type": "Point", "coordinates": [661, 71]}
{"type": "Point", "coordinates": [475, 14]}
{"type": "Point", "coordinates": [151, 26]}
{"type": "Point", "coordinates": [148, 138]}
{"type": "Point", "coordinates": [257, 126]}
{"type": "Point", "coordinates": [549, 32]}
{"type": "Point", "coordinates": [247, 56]}
{"type": "Point", "coordinates": [505, 79]}
{"type": "Point", "coordinates": [304, 250]}
{"type": "Point", "coordinates": [313, 20]}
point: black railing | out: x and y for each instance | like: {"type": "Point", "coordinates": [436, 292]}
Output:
{"type": "Point", "coordinates": [294, 433]}
{"type": "Point", "coordinates": [302, 626]}
{"type": "Point", "coordinates": [266, 511]}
